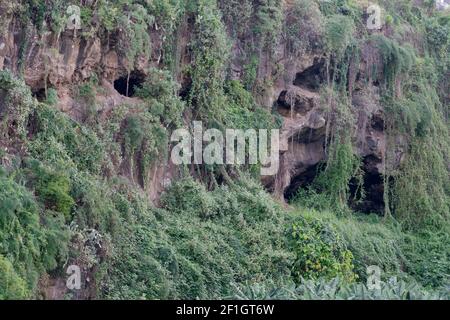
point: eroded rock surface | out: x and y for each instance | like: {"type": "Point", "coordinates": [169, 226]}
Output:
{"type": "Point", "coordinates": [63, 61]}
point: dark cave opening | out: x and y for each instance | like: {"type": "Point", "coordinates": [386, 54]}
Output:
{"type": "Point", "coordinates": [312, 77]}
{"type": "Point", "coordinates": [302, 181]}
{"type": "Point", "coordinates": [373, 202]}
{"type": "Point", "coordinates": [127, 85]}
{"type": "Point", "coordinates": [282, 105]}
{"type": "Point", "coordinates": [377, 122]}
{"type": "Point", "coordinates": [40, 94]}
{"type": "Point", "coordinates": [289, 104]}
{"type": "Point", "coordinates": [373, 184]}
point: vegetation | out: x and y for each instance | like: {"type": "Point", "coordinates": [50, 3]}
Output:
{"type": "Point", "coordinates": [75, 190]}
{"type": "Point", "coordinates": [336, 289]}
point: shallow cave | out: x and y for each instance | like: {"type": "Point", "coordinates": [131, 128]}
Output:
{"type": "Point", "coordinates": [301, 181]}
{"type": "Point", "coordinates": [40, 94]}
{"type": "Point", "coordinates": [312, 77]}
{"type": "Point", "coordinates": [127, 86]}
{"type": "Point", "coordinates": [373, 183]}
{"type": "Point", "coordinates": [377, 122]}
{"type": "Point", "coordinates": [374, 195]}
{"type": "Point", "coordinates": [290, 103]}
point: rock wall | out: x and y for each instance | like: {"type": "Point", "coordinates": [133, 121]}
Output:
{"type": "Point", "coordinates": [62, 61]}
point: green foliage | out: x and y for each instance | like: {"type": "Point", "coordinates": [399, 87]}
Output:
{"type": "Point", "coordinates": [396, 59]}
{"type": "Point", "coordinates": [338, 34]}
{"type": "Point", "coordinates": [241, 110]}
{"type": "Point", "coordinates": [87, 90]}
{"type": "Point", "coordinates": [319, 251]}
{"type": "Point", "coordinates": [135, 40]}
{"type": "Point", "coordinates": [59, 139]}
{"type": "Point", "coordinates": [144, 139]}
{"type": "Point", "coordinates": [161, 92]}
{"type": "Point", "coordinates": [86, 94]}
{"type": "Point", "coordinates": [108, 14]}
{"type": "Point", "coordinates": [16, 105]}
{"type": "Point", "coordinates": [55, 194]}
{"type": "Point", "coordinates": [419, 194]}
{"type": "Point", "coordinates": [437, 32]}
{"type": "Point", "coordinates": [303, 27]}
{"type": "Point", "coordinates": [52, 97]}
{"type": "Point", "coordinates": [94, 208]}
{"type": "Point", "coordinates": [373, 241]}
{"type": "Point", "coordinates": [12, 287]}
{"type": "Point", "coordinates": [134, 133]}
{"type": "Point", "coordinates": [427, 257]}
{"type": "Point", "coordinates": [228, 238]}
{"type": "Point", "coordinates": [167, 13]}
{"type": "Point", "coordinates": [53, 188]}
{"type": "Point", "coordinates": [210, 52]}
{"type": "Point", "coordinates": [421, 189]}
{"type": "Point", "coordinates": [237, 15]}
{"type": "Point", "coordinates": [342, 7]}
{"type": "Point", "coordinates": [438, 35]}
{"type": "Point", "coordinates": [268, 24]}
{"type": "Point", "coordinates": [336, 289]}
{"type": "Point", "coordinates": [200, 243]}
{"type": "Point", "coordinates": [251, 72]}
{"type": "Point", "coordinates": [341, 167]}
{"type": "Point", "coordinates": [33, 243]}
{"type": "Point", "coordinates": [330, 189]}
{"type": "Point", "coordinates": [189, 197]}
{"type": "Point", "coordinates": [38, 12]}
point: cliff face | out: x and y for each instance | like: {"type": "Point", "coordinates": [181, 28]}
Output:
{"type": "Point", "coordinates": [64, 60]}
{"type": "Point", "coordinates": [86, 113]}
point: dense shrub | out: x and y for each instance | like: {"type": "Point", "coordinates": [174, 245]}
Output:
{"type": "Point", "coordinates": [336, 289]}
{"type": "Point", "coordinates": [303, 27]}
{"type": "Point", "coordinates": [34, 243]}
{"type": "Point", "coordinates": [320, 252]}
{"type": "Point", "coordinates": [268, 24]}
{"type": "Point", "coordinates": [210, 53]}
{"type": "Point", "coordinates": [428, 257]}
{"type": "Point", "coordinates": [161, 92]}
{"type": "Point", "coordinates": [73, 191]}
{"type": "Point", "coordinates": [12, 287]}
{"type": "Point", "coordinates": [372, 242]}
{"type": "Point", "coordinates": [16, 104]}
{"type": "Point", "coordinates": [338, 34]}
{"type": "Point", "coordinates": [62, 141]}
{"type": "Point", "coordinates": [199, 244]}
{"type": "Point", "coordinates": [53, 188]}
{"type": "Point", "coordinates": [396, 59]}
{"type": "Point", "coordinates": [187, 197]}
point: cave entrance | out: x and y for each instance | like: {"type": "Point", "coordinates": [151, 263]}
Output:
{"type": "Point", "coordinates": [127, 85]}
{"type": "Point", "coordinates": [40, 94]}
{"type": "Point", "coordinates": [373, 201]}
{"type": "Point", "coordinates": [302, 181]}
{"type": "Point", "coordinates": [373, 184]}
{"type": "Point", "coordinates": [312, 77]}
